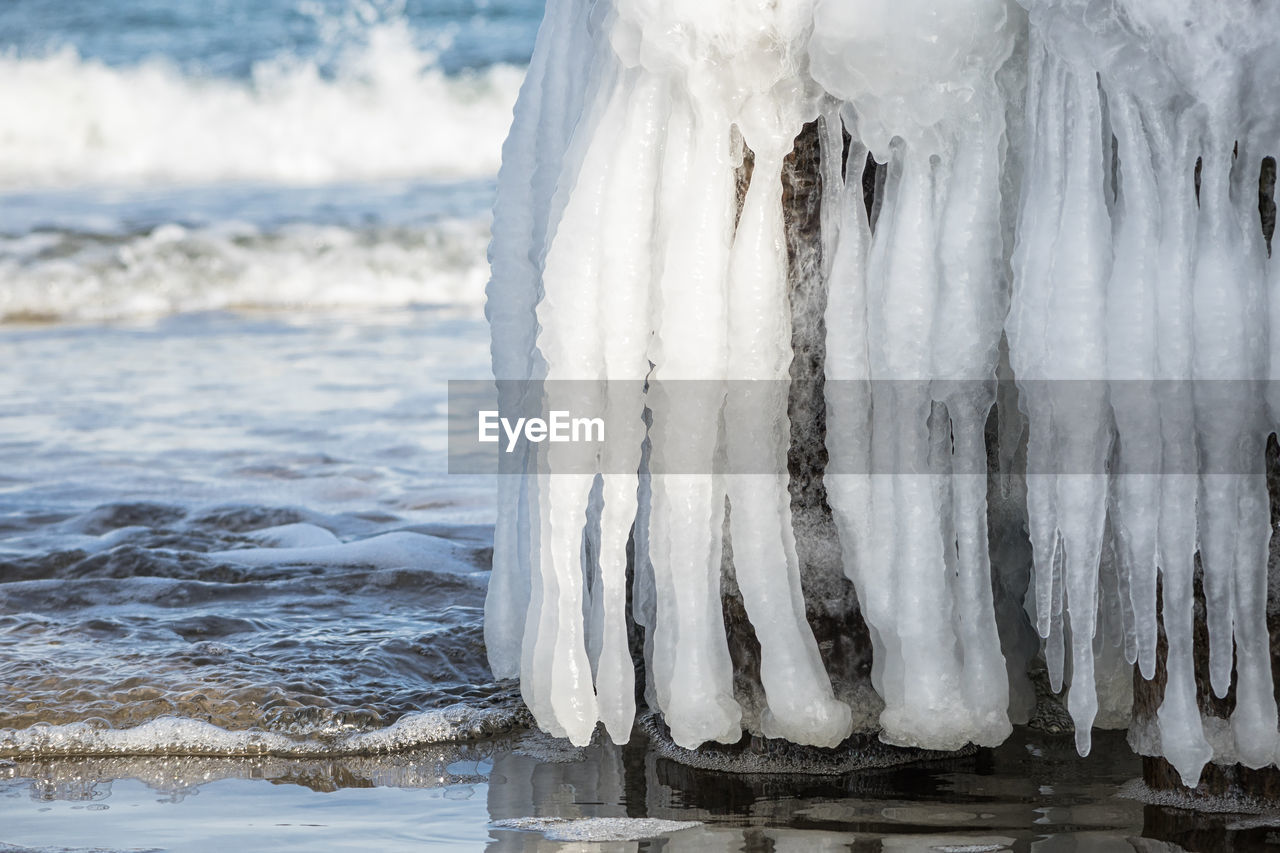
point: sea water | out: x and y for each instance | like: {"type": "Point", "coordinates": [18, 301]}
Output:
{"type": "Point", "coordinates": [242, 248]}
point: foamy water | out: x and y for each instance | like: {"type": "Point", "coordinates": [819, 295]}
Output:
{"type": "Point", "coordinates": [387, 112]}
{"type": "Point", "coordinates": [326, 155]}
{"type": "Point", "coordinates": [170, 269]}
{"type": "Point", "coordinates": [297, 92]}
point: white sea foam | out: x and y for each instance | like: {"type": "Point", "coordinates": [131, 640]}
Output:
{"type": "Point", "coordinates": [386, 110]}
{"type": "Point", "coordinates": [182, 736]}
{"type": "Point", "coordinates": [171, 269]}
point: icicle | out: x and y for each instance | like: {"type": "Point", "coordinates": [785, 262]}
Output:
{"type": "Point", "coordinates": [1131, 347]}
{"type": "Point", "coordinates": [1080, 272]}
{"type": "Point", "coordinates": [904, 278]}
{"type": "Point", "coordinates": [1061, 297]}
{"type": "Point", "coordinates": [966, 348]}
{"type": "Point", "coordinates": [1225, 353]}
{"type": "Point", "coordinates": [848, 478]}
{"type": "Point", "coordinates": [627, 229]}
{"type": "Point", "coordinates": [1229, 356]}
{"type": "Point", "coordinates": [571, 345]}
{"type": "Point", "coordinates": [801, 704]}
{"type": "Point", "coordinates": [550, 98]}
{"type": "Point", "coordinates": [1181, 732]}
{"type": "Point", "coordinates": [694, 682]}
{"type": "Point", "coordinates": [1040, 210]}
{"type": "Point", "coordinates": [1254, 721]}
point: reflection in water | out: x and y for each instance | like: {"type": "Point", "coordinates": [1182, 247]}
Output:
{"type": "Point", "coordinates": [992, 801]}
{"type": "Point", "coordinates": [1032, 794]}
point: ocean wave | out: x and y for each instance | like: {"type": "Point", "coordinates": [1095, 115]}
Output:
{"type": "Point", "coordinates": [182, 736]}
{"type": "Point", "coordinates": [48, 276]}
{"type": "Point", "coordinates": [385, 110]}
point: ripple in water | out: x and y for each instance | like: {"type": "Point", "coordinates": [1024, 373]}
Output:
{"type": "Point", "coordinates": [152, 629]}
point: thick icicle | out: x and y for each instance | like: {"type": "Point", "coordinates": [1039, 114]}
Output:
{"type": "Point", "coordinates": [1219, 423]}
{"type": "Point", "coordinates": [1254, 720]}
{"type": "Point", "coordinates": [694, 681]}
{"type": "Point", "coordinates": [627, 230]}
{"type": "Point", "coordinates": [1041, 208]}
{"type": "Point", "coordinates": [1058, 351]}
{"type": "Point", "coordinates": [1131, 344]}
{"type": "Point", "coordinates": [931, 311]}
{"type": "Point", "coordinates": [801, 705]}
{"type": "Point", "coordinates": [1178, 718]}
{"type": "Point", "coordinates": [570, 343]}
{"type": "Point", "coordinates": [849, 478]}
{"type": "Point", "coordinates": [966, 349]}
{"type": "Point", "coordinates": [550, 100]}
{"type": "Point", "coordinates": [920, 700]}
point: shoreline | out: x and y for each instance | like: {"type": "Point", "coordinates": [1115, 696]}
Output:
{"type": "Point", "coordinates": [1033, 789]}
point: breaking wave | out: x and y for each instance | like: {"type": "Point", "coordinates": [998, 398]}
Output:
{"type": "Point", "coordinates": [384, 110]}
{"type": "Point", "coordinates": [48, 276]}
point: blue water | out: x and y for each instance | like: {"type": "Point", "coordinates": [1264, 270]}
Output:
{"type": "Point", "coordinates": [158, 158]}
{"type": "Point", "coordinates": [242, 250]}
{"type": "Point", "coordinates": [228, 37]}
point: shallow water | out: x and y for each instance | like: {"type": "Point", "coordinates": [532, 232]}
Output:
{"type": "Point", "coordinates": [243, 520]}
{"type": "Point", "coordinates": [173, 513]}
{"type": "Point", "coordinates": [1032, 794]}
{"type": "Point", "coordinates": [241, 252]}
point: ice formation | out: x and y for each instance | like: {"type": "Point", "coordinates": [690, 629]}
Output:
{"type": "Point", "coordinates": [1068, 185]}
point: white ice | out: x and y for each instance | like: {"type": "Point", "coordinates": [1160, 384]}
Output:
{"type": "Point", "coordinates": [1073, 183]}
